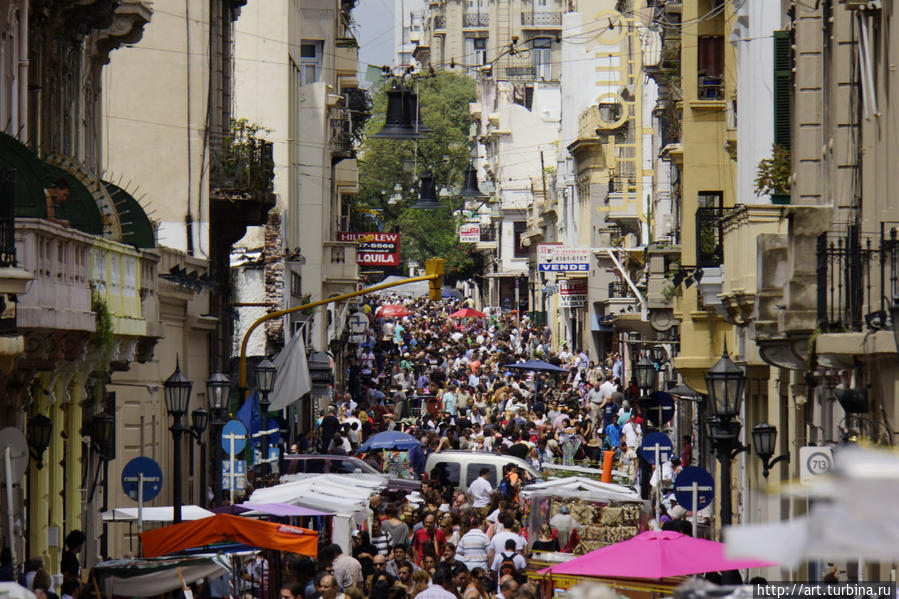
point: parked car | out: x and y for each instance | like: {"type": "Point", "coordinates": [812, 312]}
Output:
{"type": "Point", "coordinates": [460, 468]}
{"type": "Point", "coordinates": [312, 463]}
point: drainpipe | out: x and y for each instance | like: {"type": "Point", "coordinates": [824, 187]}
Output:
{"type": "Point", "coordinates": [20, 111]}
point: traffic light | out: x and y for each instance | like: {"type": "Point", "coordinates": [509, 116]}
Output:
{"type": "Point", "coordinates": [434, 266]}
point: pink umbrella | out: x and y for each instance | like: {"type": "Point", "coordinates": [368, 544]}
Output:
{"type": "Point", "coordinates": [392, 311]}
{"type": "Point", "coordinates": [654, 554]}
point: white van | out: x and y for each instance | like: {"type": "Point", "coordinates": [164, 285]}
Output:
{"type": "Point", "coordinates": [460, 468]}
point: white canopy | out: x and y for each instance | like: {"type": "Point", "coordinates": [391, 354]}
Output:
{"type": "Point", "coordinates": [156, 514]}
{"type": "Point", "coordinates": [416, 289]}
{"type": "Point", "coordinates": [581, 488]}
{"type": "Point", "coordinates": [857, 523]}
{"type": "Point", "coordinates": [152, 577]}
{"type": "Point", "coordinates": [345, 495]}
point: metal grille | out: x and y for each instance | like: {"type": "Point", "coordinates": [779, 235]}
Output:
{"type": "Point", "coordinates": [488, 232]}
{"type": "Point", "coordinates": [552, 18]}
{"type": "Point", "coordinates": [439, 22]}
{"type": "Point", "coordinates": [619, 290]}
{"type": "Point", "coordinates": [523, 72]}
{"type": "Point", "coordinates": [857, 277]}
{"type": "Point", "coordinates": [475, 20]}
{"type": "Point", "coordinates": [7, 218]}
{"type": "Point", "coordinates": [709, 247]}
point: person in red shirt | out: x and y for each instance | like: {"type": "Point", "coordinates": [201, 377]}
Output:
{"type": "Point", "coordinates": [428, 534]}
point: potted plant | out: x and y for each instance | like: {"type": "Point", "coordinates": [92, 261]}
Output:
{"type": "Point", "coordinates": [773, 175]}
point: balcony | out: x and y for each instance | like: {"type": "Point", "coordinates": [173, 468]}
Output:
{"type": "Point", "coordinates": [341, 140]}
{"type": "Point", "coordinates": [339, 268]}
{"type": "Point", "coordinates": [547, 19]}
{"type": "Point", "coordinates": [476, 20]}
{"type": "Point", "coordinates": [709, 249]}
{"type": "Point", "coordinates": [520, 72]}
{"type": "Point", "coordinates": [488, 239]}
{"type": "Point", "coordinates": [242, 166]}
{"type": "Point", "coordinates": [858, 275]}
{"type": "Point", "coordinates": [439, 23]}
{"type": "Point", "coordinates": [710, 88]}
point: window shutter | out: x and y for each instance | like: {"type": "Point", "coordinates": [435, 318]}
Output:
{"type": "Point", "coordinates": [783, 87]}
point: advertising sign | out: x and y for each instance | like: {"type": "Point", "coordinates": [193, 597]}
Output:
{"type": "Point", "coordinates": [375, 249]}
{"type": "Point", "coordinates": [469, 233]}
{"type": "Point", "coordinates": [559, 258]}
{"type": "Point", "coordinates": [573, 293]}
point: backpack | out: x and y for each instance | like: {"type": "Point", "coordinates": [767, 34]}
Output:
{"type": "Point", "coordinates": [507, 566]}
{"type": "Point", "coordinates": [505, 487]}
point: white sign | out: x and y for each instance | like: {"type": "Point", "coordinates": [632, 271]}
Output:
{"type": "Point", "coordinates": [469, 233]}
{"type": "Point", "coordinates": [572, 301]}
{"type": "Point", "coordinates": [814, 461]}
{"type": "Point", "coordinates": [560, 258]}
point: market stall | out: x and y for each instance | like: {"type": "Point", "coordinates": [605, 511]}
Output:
{"type": "Point", "coordinates": [586, 514]}
{"type": "Point", "coordinates": [152, 577]}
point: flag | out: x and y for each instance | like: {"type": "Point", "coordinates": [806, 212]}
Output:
{"type": "Point", "coordinates": [293, 380]}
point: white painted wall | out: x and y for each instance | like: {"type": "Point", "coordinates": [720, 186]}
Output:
{"type": "Point", "coordinates": [751, 37]}
{"type": "Point", "coordinates": [155, 104]}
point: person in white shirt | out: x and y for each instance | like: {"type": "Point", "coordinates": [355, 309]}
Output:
{"type": "Point", "coordinates": [480, 490]}
{"type": "Point", "coordinates": [630, 430]}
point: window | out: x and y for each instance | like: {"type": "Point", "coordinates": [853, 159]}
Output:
{"type": "Point", "coordinates": [711, 55]}
{"type": "Point", "coordinates": [475, 51]}
{"type": "Point", "coordinates": [446, 474]}
{"type": "Point", "coordinates": [518, 228]}
{"type": "Point", "coordinates": [474, 471]}
{"type": "Point", "coordinates": [310, 61]}
{"type": "Point", "coordinates": [542, 53]}
{"type": "Point", "coordinates": [296, 284]}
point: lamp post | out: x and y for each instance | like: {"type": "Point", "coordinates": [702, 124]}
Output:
{"type": "Point", "coordinates": [39, 430]}
{"type": "Point", "coordinates": [764, 436]}
{"type": "Point", "coordinates": [199, 418]}
{"type": "Point", "coordinates": [177, 398]}
{"type": "Point", "coordinates": [725, 382]}
{"type": "Point", "coordinates": [218, 392]}
{"type": "Point", "coordinates": [645, 374]}
{"type": "Point", "coordinates": [265, 382]}
{"type": "Point", "coordinates": [103, 431]}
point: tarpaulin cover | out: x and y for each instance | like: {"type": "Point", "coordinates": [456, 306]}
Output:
{"type": "Point", "coordinates": [151, 577]}
{"type": "Point", "coordinates": [226, 527]}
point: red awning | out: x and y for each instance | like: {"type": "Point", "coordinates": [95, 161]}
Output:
{"type": "Point", "coordinates": [225, 527]}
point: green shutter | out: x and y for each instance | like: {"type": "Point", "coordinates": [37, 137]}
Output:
{"type": "Point", "coordinates": [783, 87]}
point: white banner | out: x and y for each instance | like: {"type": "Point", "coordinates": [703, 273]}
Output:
{"type": "Point", "coordinates": [469, 233]}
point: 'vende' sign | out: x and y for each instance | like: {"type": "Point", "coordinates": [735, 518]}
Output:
{"type": "Point", "coordinates": [573, 293]}
{"type": "Point", "coordinates": [375, 249]}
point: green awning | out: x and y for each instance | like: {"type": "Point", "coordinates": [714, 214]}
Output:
{"type": "Point", "coordinates": [34, 175]}
{"type": "Point", "coordinates": [137, 230]}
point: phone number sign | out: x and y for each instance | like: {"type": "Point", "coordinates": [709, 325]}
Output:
{"type": "Point", "coordinates": [559, 258]}
{"type": "Point", "coordinates": [374, 249]}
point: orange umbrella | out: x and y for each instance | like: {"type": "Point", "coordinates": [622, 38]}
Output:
{"type": "Point", "coordinates": [222, 527]}
{"type": "Point", "coordinates": [467, 313]}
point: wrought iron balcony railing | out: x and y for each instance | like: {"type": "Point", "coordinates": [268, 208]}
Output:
{"type": "Point", "coordinates": [7, 218]}
{"type": "Point", "coordinates": [711, 87]}
{"type": "Point", "coordinates": [475, 20]}
{"type": "Point", "coordinates": [242, 164]}
{"type": "Point", "coordinates": [488, 232]}
{"type": "Point", "coordinates": [521, 72]}
{"type": "Point", "coordinates": [858, 276]}
{"type": "Point", "coordinates": [549, 18]}
{"type": "Point", "coordinates": [439, 22]}
{"type": "Point", "coordinates": [709, 237]}
{"type": "Point", "coordinates": [619, 290]}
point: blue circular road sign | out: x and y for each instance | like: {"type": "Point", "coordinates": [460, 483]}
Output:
{"type": "Point", "coordinates": [648, 449]}
{"type": "Point", "coordinates": [684, 484]}
{"type": "Point", "coordinates": [659, 408]}
{"type": "Point", "coordinates": [239, 431]}
{"type": "Point", "coordinates": [152, 478]}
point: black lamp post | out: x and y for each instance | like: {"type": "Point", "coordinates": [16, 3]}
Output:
{"type": "Point", "coordinates": [645, 374]}
{"type": "Point", "coordinates": [725, 382]}
{"type": "Point", "coordinates": [764, 436]}
{"type": "Point", "coordinates": [199, 418]}
{"type": "Point", "coordinates": [39, 430]}
{"type": "Point", "coordinates": [218, 392]}
{"type": "Point", "coordinates": [177, 398]}
{"type": "Point", "coordinates": [103, 432]}
{"type": "Point", "coordinates": [265, 382]}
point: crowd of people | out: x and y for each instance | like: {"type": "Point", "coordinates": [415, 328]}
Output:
{"type": "Point", "coordinates": [447, 381]}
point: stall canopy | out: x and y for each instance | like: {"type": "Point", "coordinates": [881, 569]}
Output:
{"type": "Point", "coordinates": [581, 488]}
{"type": "Point", "coordinates": [343, 495]}
{"type": "Point", "coordinates": [156, 514]}
{"type": "Point", "coordinates": [226, 527]}
{"type": "Point", "coordinates": [278, 509]}
{"type": "Point", "coordinates": [151, 577]}
{"type": "Point", "coordinates": [538, 365]}
{"type": "Point", "coordinates": [655, 555]}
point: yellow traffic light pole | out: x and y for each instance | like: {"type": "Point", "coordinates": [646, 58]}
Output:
{"type": "Point", "coordinates": [433, 266]}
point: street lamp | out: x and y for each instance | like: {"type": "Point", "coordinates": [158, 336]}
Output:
{"type": "Point", "coordinates": [177, 398]}
{"type": "Point", "coordinates": [764, 436]}
{"type": "Point", "coordinates": [427, 194]}
{"type": "Point", "coordinates": [265, 382]}
{"type": "Point", "coordinates": [39, 430]}
{"type": "Point", "coordinates": [218, 392]}
{"type": "Point", "coordinates": [725, 382]}
{"type": "Point", "coordinates": [199, 418]}
{"type": "Point", "coordinates": [645, 374]}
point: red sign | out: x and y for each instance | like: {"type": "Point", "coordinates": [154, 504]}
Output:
{"type": "Point", "coordinates": [375, 249]}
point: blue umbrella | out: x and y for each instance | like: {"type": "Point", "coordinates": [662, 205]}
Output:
{"type": "Point", "coordinates": [389, 440]}
{"type": "Point", "coordinates": [536, 365]}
